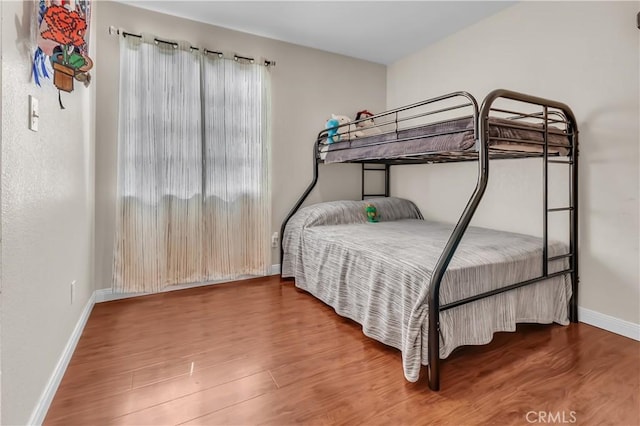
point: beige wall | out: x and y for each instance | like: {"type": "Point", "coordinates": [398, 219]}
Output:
{"type": "Point", "coordinates": [307, 86]}
{"type": "Point", "coordinates": [583, 54]}
{"type": "Point", "coordinates": [47, 219]}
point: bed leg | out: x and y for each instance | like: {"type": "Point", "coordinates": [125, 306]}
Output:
{"type": "Point", "coordinates": [434, 377]}
{"type": "Point", "coordinates": [433, 368]}
{"type": "Point", "coordinates": [573, 304]}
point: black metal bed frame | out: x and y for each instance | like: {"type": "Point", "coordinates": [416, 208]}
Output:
{"type": "Point", "coordinates": [482, 154]}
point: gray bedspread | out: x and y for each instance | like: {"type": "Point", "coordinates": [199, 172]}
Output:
{"type": "Point", "coordinates": [377, 274]}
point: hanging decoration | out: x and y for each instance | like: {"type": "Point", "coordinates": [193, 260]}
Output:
{"type": "Point", "coordinates": [63, 29]}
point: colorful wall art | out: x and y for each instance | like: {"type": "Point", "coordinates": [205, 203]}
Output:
{"type": "Point", "coordinates": [62, 43]}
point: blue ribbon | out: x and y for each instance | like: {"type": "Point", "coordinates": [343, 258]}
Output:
{"type": "Point", "coordinates": [39, 68]}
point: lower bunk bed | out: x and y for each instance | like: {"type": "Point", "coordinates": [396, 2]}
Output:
{"type": "Point", "coordinates": [375, 274]}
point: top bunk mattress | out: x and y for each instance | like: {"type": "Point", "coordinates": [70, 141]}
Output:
{"type": "Point", "coordinates": [451, 136]}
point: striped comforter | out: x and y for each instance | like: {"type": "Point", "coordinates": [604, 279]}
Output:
{"type": "Point", "coordinates": [377, 274]}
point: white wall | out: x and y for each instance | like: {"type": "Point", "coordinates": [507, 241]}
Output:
{"type": "Point", "coordinates": [585, 54]}
{"type": "Point", "coordinates": [307, 85]}
{"type": "Point", "coordinates": [1, 14]}
{"type": "Point", "coordinates": [47, 219]}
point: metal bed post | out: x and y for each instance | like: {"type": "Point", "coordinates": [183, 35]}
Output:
{"type": "Point", "coordinates": [298, 203]}
{"type": "Point", "coordinates": [387, 176]}
{"type": "Point", "coordinates": [545, 192]}
{"type": "Point", "coordinates": [573, 221]}
{"type": "Point", "coordinates": [362, 168]}
{"type": "Point", "coordinates": [452, 244]}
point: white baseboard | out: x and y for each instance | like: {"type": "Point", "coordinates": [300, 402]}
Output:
{"type": "Point", "coordinates": [40, 411]}
{"type": "Point", "coordinates": [609, 323]}
{"type": "Point", "coordinates": [107, 294]}
{"type": "Point", "coordinates": [275, 269]}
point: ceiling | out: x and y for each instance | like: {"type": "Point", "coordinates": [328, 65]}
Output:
{"type": "Point", "coordinates": [377, 31]}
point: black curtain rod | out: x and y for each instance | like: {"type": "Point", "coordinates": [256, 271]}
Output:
{"type": "Point", "coordinates": [117, 31]}
{"type": "Point", "coordinates": [214, 52]}
{"type": "Point", "coordinates": [124, 34]}
{"type": "Point", "coordinates": [237, 57]}
{"type": "Point", "coordinates": [170, 43]}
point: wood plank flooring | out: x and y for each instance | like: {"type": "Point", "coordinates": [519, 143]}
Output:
{"type": "Point", "coordinates": [263, 352]}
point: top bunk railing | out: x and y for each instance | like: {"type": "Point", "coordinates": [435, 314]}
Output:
{"type": "Point", "coordinates": [445, 129]}
{"type": "Point", "coordinates": [399, 119]}
{"type": "Point", "coordinates": [394, 126]}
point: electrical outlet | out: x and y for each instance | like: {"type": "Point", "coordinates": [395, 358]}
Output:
{"type": "Point", "coordinates": [73, 290]}
{"type": "Point", "coordinates": [274, 240]}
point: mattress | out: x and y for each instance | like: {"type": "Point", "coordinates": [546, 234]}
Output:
{"type": "Point", "coordinates": [451, 136]}
{"type": "Point", "coordinates": [377, 274]}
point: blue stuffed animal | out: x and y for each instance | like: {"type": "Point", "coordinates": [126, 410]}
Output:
{"type": "Point", "coordinates": [332, 130]}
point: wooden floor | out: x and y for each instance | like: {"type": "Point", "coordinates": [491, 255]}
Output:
{"type": "Point", "coordinates": [263, 352]}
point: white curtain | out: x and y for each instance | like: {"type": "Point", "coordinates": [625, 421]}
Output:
{"type": "Point", "coordinates": [237, 201]}
{"type": "Point", "coordinates": [193, 194]}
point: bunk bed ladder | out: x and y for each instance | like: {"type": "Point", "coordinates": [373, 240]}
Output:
{"type": "Point", "coordinates": [572, 162]}
{"type": "Point", "coordinates": [483, 136]}
{"type": "Point", "coordinates": [375, 167]}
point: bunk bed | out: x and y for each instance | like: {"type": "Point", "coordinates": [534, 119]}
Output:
{"type": "Point", "coordinates": [418, 285]}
